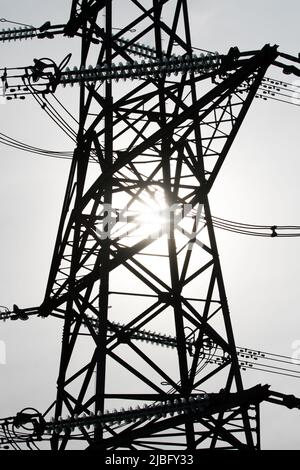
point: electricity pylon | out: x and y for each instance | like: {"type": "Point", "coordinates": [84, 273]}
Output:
{"type": "Point", "coordinates": [136, 243]}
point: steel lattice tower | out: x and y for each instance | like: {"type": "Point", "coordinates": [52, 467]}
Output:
{"type": "Point", "coordinates": [136, 246]}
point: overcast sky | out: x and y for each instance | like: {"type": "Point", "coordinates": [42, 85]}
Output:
{"type": "Point", "coordinates": [259, 183]}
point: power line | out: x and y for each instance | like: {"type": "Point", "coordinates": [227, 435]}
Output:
{"type": "Point", "coordinates": [253, 359]}
{"type": "Point", "coordinates": [224, 224]}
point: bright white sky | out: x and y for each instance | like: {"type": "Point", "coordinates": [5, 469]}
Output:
{"type": "Point", "coordinates": [258, 184]}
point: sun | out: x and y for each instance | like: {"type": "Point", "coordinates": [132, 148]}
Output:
{"type": "Point", "coordinates": [153, 219]}
{"type": "Point", "coordinates": [152, 215]}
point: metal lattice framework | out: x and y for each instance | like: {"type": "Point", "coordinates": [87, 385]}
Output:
{"type": "Point", "coordinates": [136, 246]}
{"type": "Point", "coordinates": [160, 145]}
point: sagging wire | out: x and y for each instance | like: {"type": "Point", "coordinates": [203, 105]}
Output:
{"type": "Point", "coordinates": [224, 224]}
{"type": "Point", "coordinates": [254, 230]}
{"type": "Point", "coordinates": [61, 123]}
{"type": "Point", "coordinates": [9, 141]}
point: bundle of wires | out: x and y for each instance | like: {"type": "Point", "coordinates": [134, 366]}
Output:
{"type": "Point", "coordinates": [278, 90]}
{"type": "Point", "coordinates": [9, 141]}
{"type": "Point", "coordinates": [256, 230]}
